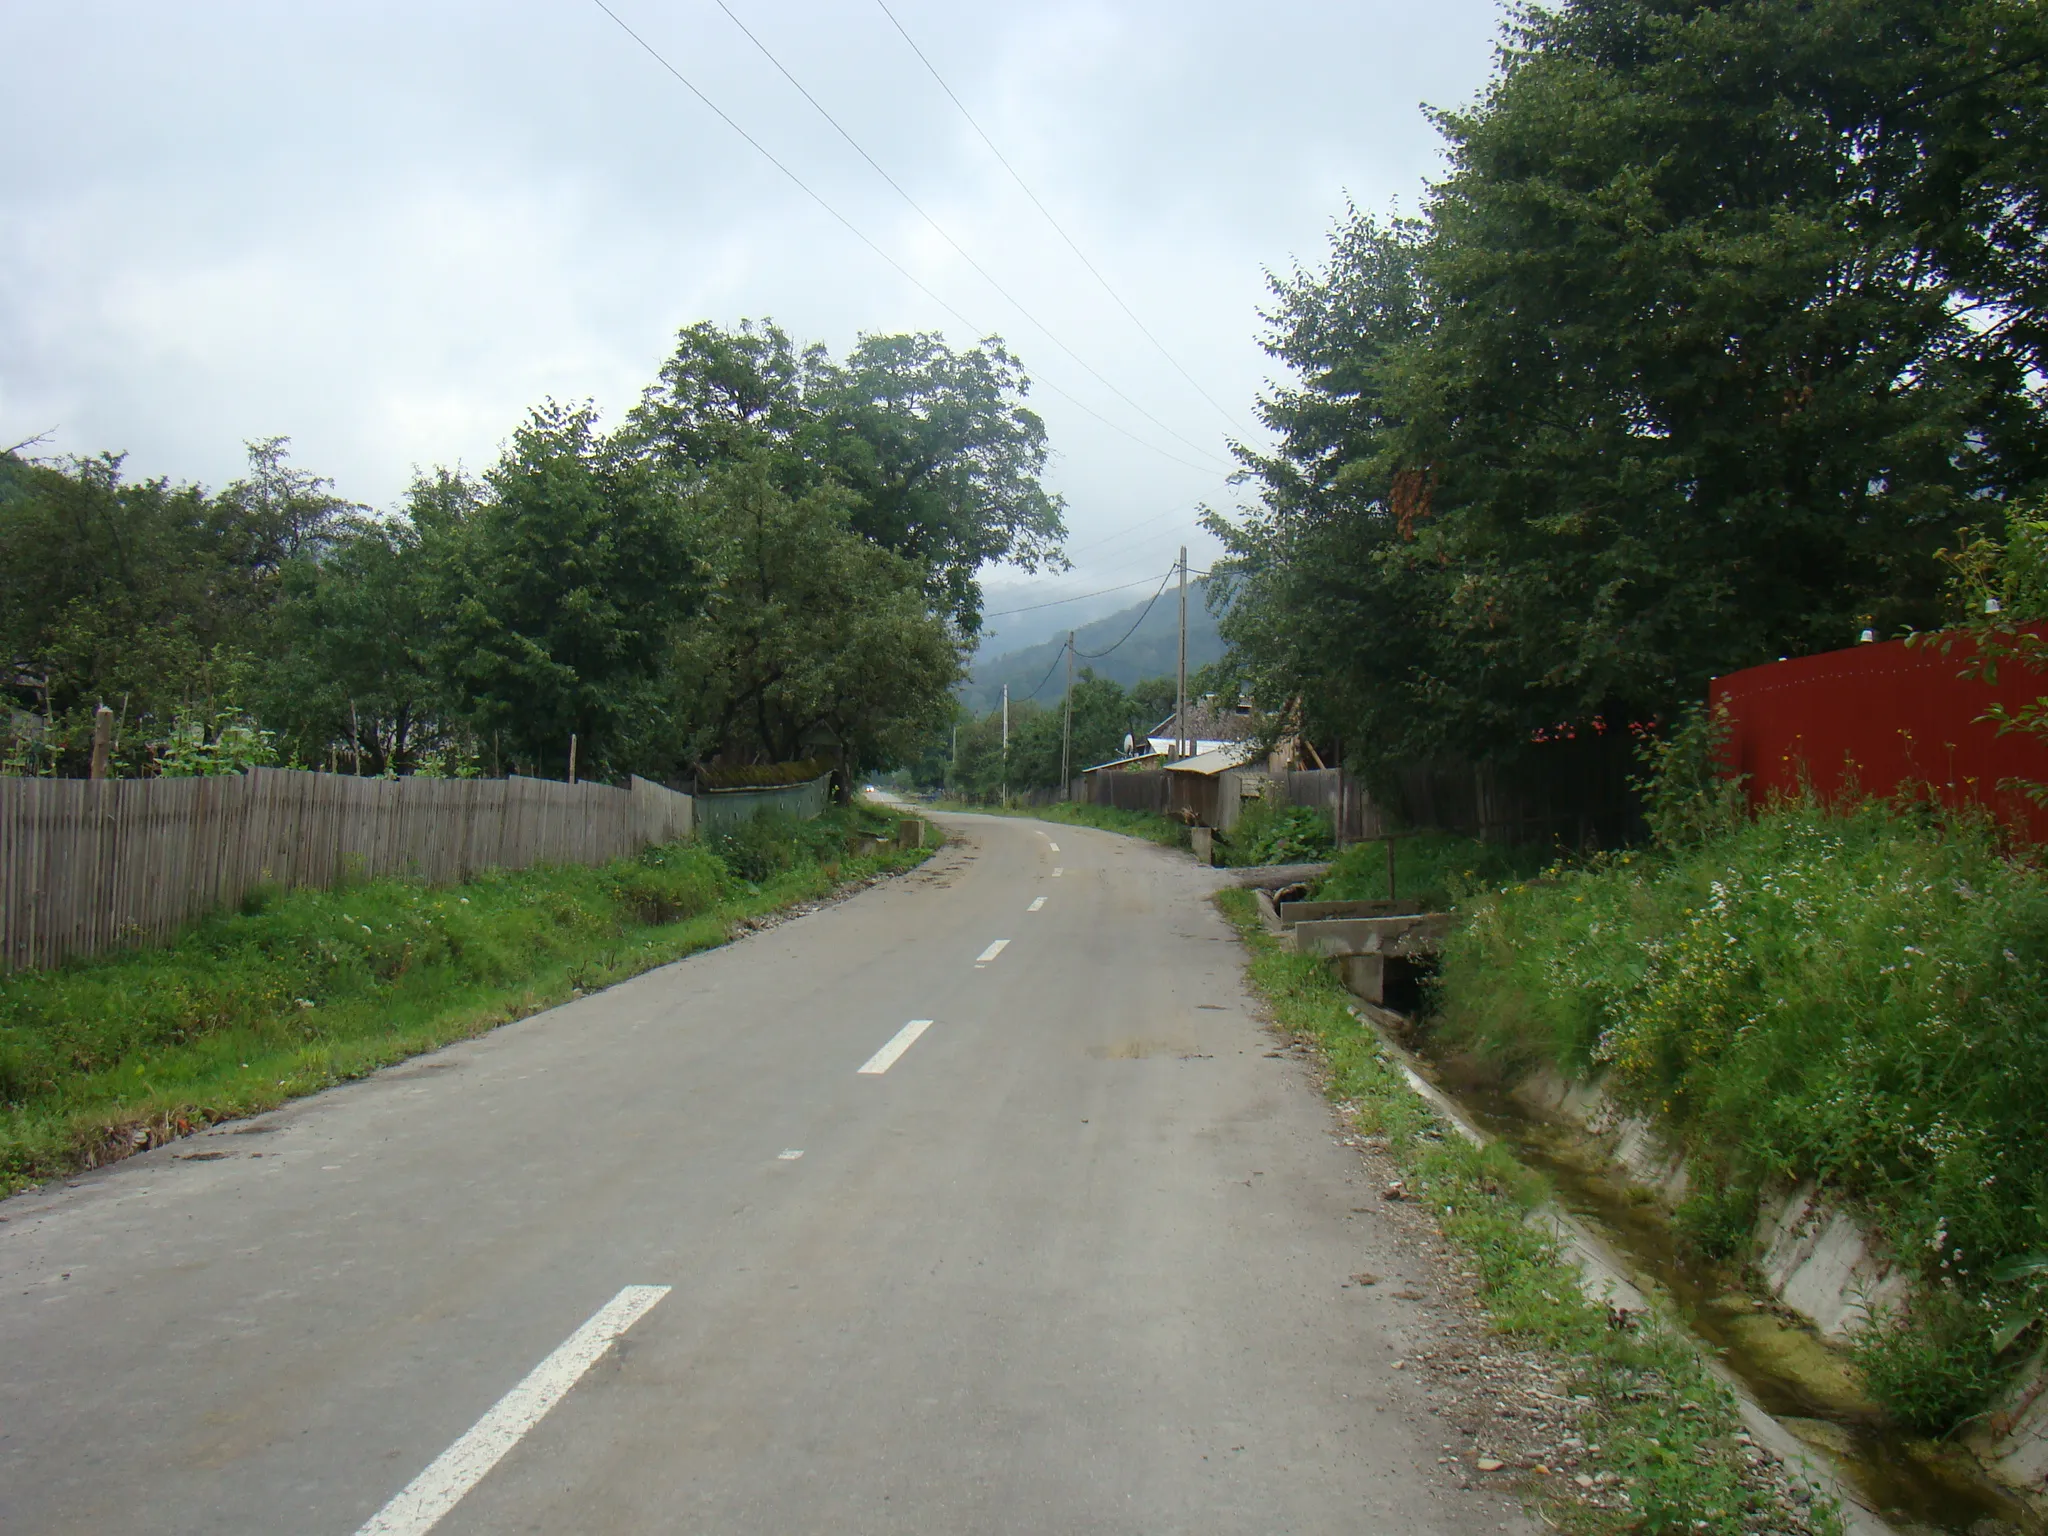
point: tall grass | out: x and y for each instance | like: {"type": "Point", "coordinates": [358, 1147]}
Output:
{"type": "Point", "coordinates": [1432, 869]}
{"type": "Point", "coordinates": [1855, 998]}
{"type": "Point", "coordinates": [299, 990]}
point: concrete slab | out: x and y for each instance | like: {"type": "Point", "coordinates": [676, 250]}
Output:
{"type": "Point", "coordinates": [1409, 936]}
{"type": "Point", "coordinates": [1292, 912]}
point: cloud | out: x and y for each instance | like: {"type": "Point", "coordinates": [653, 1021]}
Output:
{"type": "Point", "coordinates": [386, 230]}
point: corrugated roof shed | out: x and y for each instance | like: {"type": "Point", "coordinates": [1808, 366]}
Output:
{"type": "Point", "coordinates": [1236, 755]}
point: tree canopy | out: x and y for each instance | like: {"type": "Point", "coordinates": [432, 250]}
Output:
{"type": "Point", "coordinates": [1725, 318]}
{"type": "Point", "coordinates": [773, 557]}
{"type": "Point", "coordinates": [936, 449]}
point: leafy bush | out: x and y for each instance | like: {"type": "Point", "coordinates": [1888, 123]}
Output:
{"type": "Point", "coordinates": [200, 746]}
{"type": "Point", "coordinates": [668, 883]}
{"type": "Point", "coordinates": [1853, 997]}
{"type": "Point", "coordinates": [1687, 798]}
{"type": "Point", "coordinates": [1933, 1367]}
{"type": "Point", "coordinates": [1272, 833]}
{"type": "Point", "coordinates": [1718, 1215]}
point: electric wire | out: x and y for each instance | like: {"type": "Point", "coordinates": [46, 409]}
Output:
{"type": "Point", "coordinates": [1061, 654]}
{"type": "Point", "coordinates": [946, 235]}
{"type": "Point", "coordinates": [1057, 659]}
{"type": "Point", "coordinates": [1143, 554]}
{"type": "Point", "coordinates": [1058, 228]}
{"type": "Point", "coordinates": [1001, 613]}
{"type": "Point", "coordinates": [1127, 531]}
{"type": "Point", "coordinates": [855, 230]}
{"type": "Point", "coordinates": [1098, 655]}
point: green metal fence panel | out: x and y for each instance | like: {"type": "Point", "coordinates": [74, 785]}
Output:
{"type": "Point", "coordinates": [720, 810]}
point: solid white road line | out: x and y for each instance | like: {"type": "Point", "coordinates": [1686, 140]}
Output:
{"type": "Point", "coordinates": [900, 1042]}
{"type": "Point", "coordinates": [992, 951]}
{"type": "Point", "coordinates": [789, 1154]}
{"type": "Point", "coordinates": [1036, 905]}
{"type": "Point", "coordinates": [420, 1505]}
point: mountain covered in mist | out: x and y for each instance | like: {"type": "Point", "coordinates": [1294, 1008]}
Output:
{"type": "Point", "coordinates": [1147, 652]}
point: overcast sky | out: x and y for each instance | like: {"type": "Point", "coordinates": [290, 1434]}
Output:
{"type": "Point", "coordinates": [386, 229]}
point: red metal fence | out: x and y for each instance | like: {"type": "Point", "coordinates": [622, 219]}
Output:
{"type": "Point", "coordinates": [1880, 717]}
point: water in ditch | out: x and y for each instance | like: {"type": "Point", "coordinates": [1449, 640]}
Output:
{"type": "Point", "coordinates": [1917, 1485]}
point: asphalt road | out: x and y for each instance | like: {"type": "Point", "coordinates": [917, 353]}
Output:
{"type": "Point", "coordinates": [1074, 1262]}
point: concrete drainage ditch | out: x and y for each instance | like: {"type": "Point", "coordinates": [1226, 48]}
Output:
{"type": "Point", "coordinates": [1615, 1183]}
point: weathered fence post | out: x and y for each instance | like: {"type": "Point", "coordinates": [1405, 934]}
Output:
{"type": "Point", "coordinates": [102, 740]}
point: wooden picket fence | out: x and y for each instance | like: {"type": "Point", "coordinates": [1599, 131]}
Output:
{"type": "Point", "coordinates": [87, 866]}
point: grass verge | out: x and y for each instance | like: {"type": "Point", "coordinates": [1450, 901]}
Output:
{"type": "Point", "coordinates": [1852, 996]}
{"type": "Point", "coordinates": [1154, 828]}
{"type": "Point", "coordinates": [1664, 1426]}
{"type": "Point", "coordinates": [301, 990]}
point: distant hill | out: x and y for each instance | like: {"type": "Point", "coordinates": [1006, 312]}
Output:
{"type": "Point", "coordinates": [1031, 612]}
{"type": "Point", "coordinates": [1149, 652]}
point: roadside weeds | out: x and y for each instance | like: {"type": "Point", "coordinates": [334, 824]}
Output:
{"type": "Point", "coordinates": [1645, 1439]}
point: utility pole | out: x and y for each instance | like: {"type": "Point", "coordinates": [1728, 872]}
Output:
{"type": "Point", "coordinates": [572, 757]}
{"type": "Point", "coordinates": [1180, 690]}
{"type": "Point", "coordinates": [1006, 744]}
{"type": "Point", "coordinates": [1067, 731]}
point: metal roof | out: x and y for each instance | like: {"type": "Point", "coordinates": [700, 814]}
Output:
{"type": "Point", "coordinates": [1124, 762]}
{"type": "Point", "coordinates": [1235, 755]}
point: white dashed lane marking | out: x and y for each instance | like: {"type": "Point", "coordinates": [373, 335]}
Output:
{"type": "Point", "coordinates": [420, 1505]}
{"type": "Point", "coordinates": [900, 1042]}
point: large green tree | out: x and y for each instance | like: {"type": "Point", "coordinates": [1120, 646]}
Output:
{"type": "Point", "coordinates": [940, 454]}
{"type": "Point", "coordinates": [351, 676]}
{"type": "Point", "coordinates": [153, 598]}
{"type": "Point", "coordinates": [1724, 319]}
{"type": "Point", "coordinates": [553, 585]}
{"type": "Point", "coordinates": [811, 640]}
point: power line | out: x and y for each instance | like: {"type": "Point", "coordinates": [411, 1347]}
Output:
{"type": "Point", "coordinates": [1058, 656]}
{"type": "Point", "coordinates": [1061, 654]}
{"type": "Point", "coordinates": [902, 271]}
{"type": "Point", "coordinates": [1060, 229]}
{"type": "Point", "coordinates": [1128, 531]}
{"type": "Point", "coordinates": [1098, 655]}
{"type": "Point", "coordinates": [1003, 613]}
{"type": "Point", "coordinates": [946, 235]}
